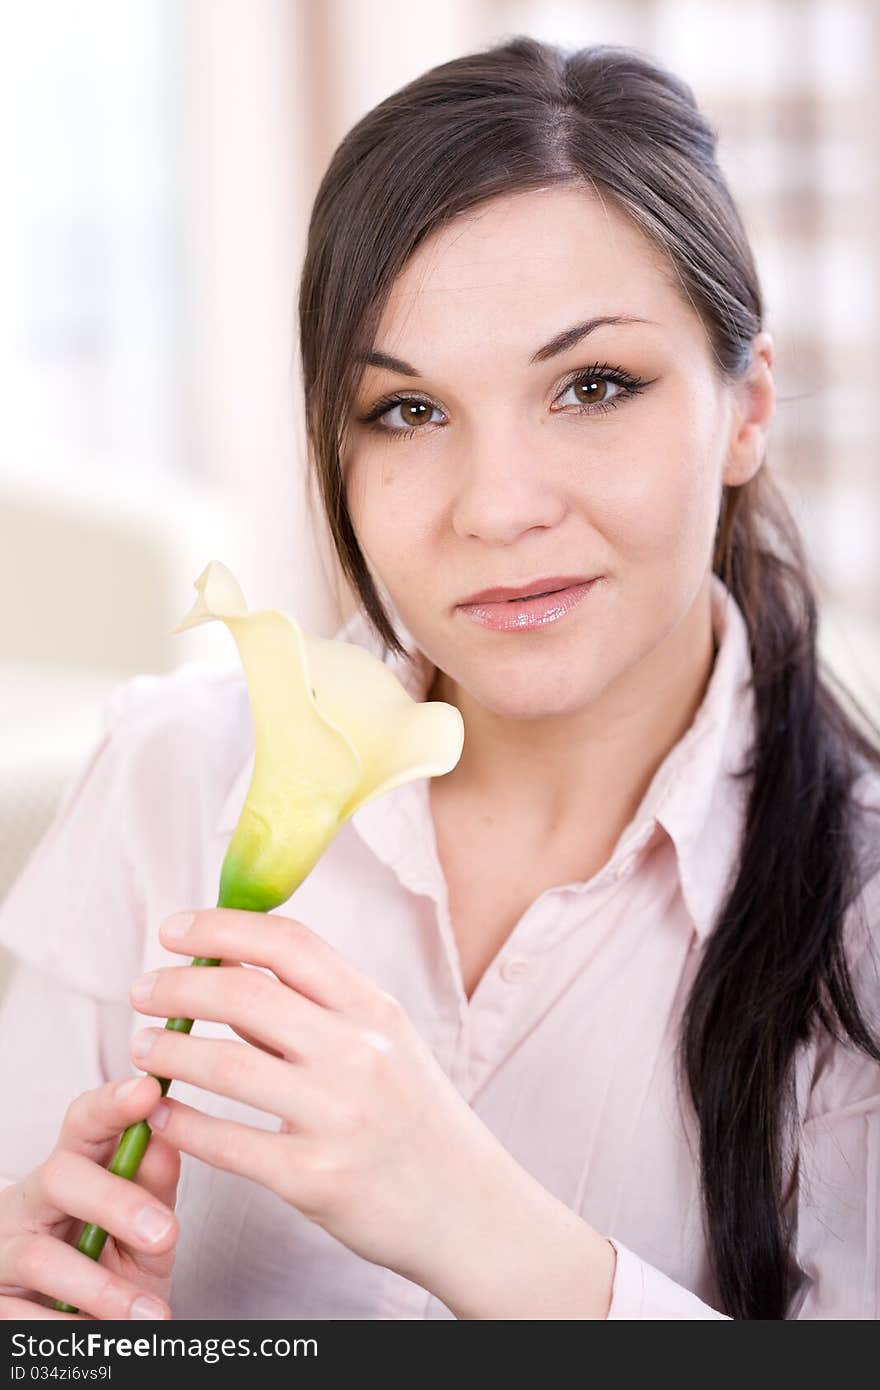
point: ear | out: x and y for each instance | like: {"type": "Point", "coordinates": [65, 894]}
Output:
{"type": "Point", "coordinates": [754, 401]}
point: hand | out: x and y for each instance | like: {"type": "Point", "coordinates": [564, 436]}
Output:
{"type": "Point", "coordinates": [133, 1276]}
{"type": "Point", "coordinates": [375, 1144]}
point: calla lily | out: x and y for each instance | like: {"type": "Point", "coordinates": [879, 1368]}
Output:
{"type": "Point", "coordinates": [333, 729]}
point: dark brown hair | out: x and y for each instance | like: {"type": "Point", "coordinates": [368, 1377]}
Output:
{"type": "Point", "coordinates": [521, 115]}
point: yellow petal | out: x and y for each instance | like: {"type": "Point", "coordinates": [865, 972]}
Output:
{"type": "Point", "coordinates": [333, 729]}
{"type": "Point", "coordinates": [398, 738]}
{"type": "Point", "coordinates": [219, 596]}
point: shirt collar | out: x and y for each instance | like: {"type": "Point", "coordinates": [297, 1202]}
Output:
{"type": "Point", "coordinates": [693, 794]}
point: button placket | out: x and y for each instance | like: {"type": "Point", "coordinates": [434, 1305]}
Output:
{"type": "Point", "coordinates": [514, 968]}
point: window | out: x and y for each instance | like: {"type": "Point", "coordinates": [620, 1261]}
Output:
{"type": "Point", "coordinates": [91, 273]}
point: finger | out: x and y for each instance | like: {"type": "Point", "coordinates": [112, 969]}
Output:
{"type": "Point", "coordinates": [18, 1309]}
{"type": "Point", "coordinates": [94, 1120]}
{"type": "Point", "coordinates": [256, 1042]}
{"type": "Point", "coordinates": [242, 1073]}
{"type": "Point", "coordinates": [243, 1033]}
{"type": "Point", "coordinates": [92, 1126]}
{"type": "Point", "coordinates": [159, 1171]}
{"type": "Point", "coordinates": [225, 1144]}
{"type": "Point", "coordinates": [49, 1267]}
{"type": "Point", "coordinates": [73, 1185]}
{"type": "Point", "coordinates": [298, 956]}
{"type": "Point", "coordinates": [284, 1022]}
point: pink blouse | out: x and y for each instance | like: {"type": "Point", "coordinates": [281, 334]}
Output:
{"type": "Point", "coordinates": [565, 1049]}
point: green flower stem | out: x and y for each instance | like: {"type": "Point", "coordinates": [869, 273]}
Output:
{"type": "Point", "coordinates": [127, 1159]}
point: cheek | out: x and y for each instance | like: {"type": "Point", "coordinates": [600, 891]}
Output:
{"type": "Point", "coordinates": [668, 513]}
{"type": "Point", "coordinates": [392, 526]}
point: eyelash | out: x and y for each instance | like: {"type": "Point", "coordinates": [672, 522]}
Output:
{"type": "Point", "coordinates": [602, 371]}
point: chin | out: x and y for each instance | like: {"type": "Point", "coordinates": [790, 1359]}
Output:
{"type": "Point", "coordinates": [548, 698]}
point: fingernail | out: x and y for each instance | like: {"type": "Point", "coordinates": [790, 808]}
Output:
{"type": "Point", "coordinates": [159, 1117]}
{"type": "Point", "coordinates": [151, 1223]}
{"type": "Point", "coordinates": [179, 924]}
{"type": "Point", "coordinates": [143, 987]}
{"type": "Point", "coordinates": [124, 1090]}
{"type": "Point", "coordinates": [147, 1308]}
{"type": "Point", "coordinates": [143, 1042]}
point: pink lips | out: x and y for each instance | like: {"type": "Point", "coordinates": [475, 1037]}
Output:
{"type": "Point", "coordinates": [510, 615]}
{"type": "Point", "coordinates": [548, 584]}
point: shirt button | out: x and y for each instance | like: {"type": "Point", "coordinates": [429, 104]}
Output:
{"type": "Point", "coordinates": [514, 968]}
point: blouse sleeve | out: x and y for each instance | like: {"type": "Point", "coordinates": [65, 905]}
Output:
{"type": "Point", "coordinates": [56, 1042]}
{"type": "Point", "coordinates": [641, 1290]}
{"type": "Point", "coordinates": [837, 1240]}
{"type": "Point", "coordinates": [73, 924]}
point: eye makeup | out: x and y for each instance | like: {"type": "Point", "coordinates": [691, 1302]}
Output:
{"type": "Point", "coordinates": [628, 386]}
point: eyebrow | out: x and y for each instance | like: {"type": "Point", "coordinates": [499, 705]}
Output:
{"type": "Point", "coordinates": [562, 342]}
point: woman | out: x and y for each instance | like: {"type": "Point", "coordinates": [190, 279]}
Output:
{"type": "Point", "coordinates": [584, 1028]}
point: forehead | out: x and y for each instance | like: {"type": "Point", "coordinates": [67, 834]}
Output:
{"type": "Point", "coordinates": [541, 258]}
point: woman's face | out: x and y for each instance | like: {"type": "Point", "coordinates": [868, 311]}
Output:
{"type": "Point", "coordinates": [511, 469]}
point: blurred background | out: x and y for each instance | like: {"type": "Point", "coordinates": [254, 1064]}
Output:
{"type": "Point", "coordinates": [159, 160]}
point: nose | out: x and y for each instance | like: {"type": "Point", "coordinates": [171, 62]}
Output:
{"type": "Point", "coordinates": [505, 486]}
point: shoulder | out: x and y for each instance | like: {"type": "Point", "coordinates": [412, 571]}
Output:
{"type": "Point", "coordinates": [183, 695]}
{"type": "Point", "coordinates": [171, 746]}
{"type": "Point", "coordinates": [845, 1076]}
{"type": "Point", "coordinates": [863, 916]}
{"type": "Point", "coordinates": [866, 795]}
{"type": "Point", "coordinates": [862, 936]}
{"type": "Point", "coordinates": [198, 711]}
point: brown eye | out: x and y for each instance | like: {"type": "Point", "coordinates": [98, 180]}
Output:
{"type": "Point", "coordinates": [592, 398]}
{"type": "Point", "coordinates": [412, 416]}
{"type": "Point", "coordinates": [414, 412]}
{"type": "Point", "coordinates": [591, 391]}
